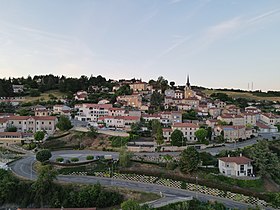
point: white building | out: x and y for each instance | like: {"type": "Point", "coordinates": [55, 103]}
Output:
{"type": "Point", "coordinates": [91, 112]}
{"type": "Point", "coordinates": [235, 166]}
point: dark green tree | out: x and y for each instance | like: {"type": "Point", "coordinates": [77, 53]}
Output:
{"type": "Point", "coordinates": [64, 123]}
{"type": "Point", "coordinates": [43, 155]}
{"type": "Point", "coordinates": [39, 135]}
{"type": "Point", "coordinates": [44, 183]}
{"type": "Point", "coordinates": [177, 138]}
{"type": "Point", "coordinates": [130, 205]}
{"type": "Point", "coordinates": [201, 135]}
{"type": "Point", "coordinates": [189, 160]}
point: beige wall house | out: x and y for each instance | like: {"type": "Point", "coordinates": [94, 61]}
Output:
{"type": "Point", "coordinates": [33, 123]}
{"type": "Point", "coordinates": [188, 130]}
{"type": "Point", "coordinates": [233, 133]}
{"type": "Point", "coordinates": [232, 119]}
{"type": "Point", "coordinates": [270, 118]}
{"type": "Point", "coordinates": [134, 100]}
{"type": "Point", "coordinates": [9, 138]}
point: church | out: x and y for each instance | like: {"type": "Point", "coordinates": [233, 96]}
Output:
{"type": "Point", "coordinates": [181, 100]}
{"type": "Point", "coordinates": [189, 93]}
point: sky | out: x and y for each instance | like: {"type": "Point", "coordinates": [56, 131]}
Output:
{"type": "Point", "coordinates": [219, 43]}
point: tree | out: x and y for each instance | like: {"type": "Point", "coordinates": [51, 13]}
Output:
{"type": "Point", "coordinates": [155, 125]}
{"type": "Point", "coordinates": [124, 90]}
{"type": "Point", "coordinates": [34, 93]}
{"type": "Point", "coordinates": [44, 183]}
{"type": "Point", "coordinates": [189, 160]}
{"type": "Point", "coordinates": [124, 158]}
{"type": "Point", "coordinates": [64, 123]}
{"type": "Point", "coordinates": [156, 99]}
{"type": "Point", "coordinates": [201, 134]}
{"type": "Point", "coordinates": [209, 133]}
{"type": "Point", "coordinates": [172, 83]}
{"type": "Point", "coordinates": [190, 115]}
{"type": "Point", "coordinates": [177, 138]}
{"type": "Point", "coordinates": [11, 129]}
{"type": "Point", "coordinates": [159, 135]}
{"type": "Point", "coordinates": [266, 162]}
{"type": "Point", "coordinates": [130, 205]}
{"type": "Point", "coordinates": [92, 133]}
{"type": "Point", "coordinates": [43, 155]}
{"type": "Point", "coordinates": [39, 135]}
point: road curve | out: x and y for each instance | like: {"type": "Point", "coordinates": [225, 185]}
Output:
{"type": "Point", "coordinates": [23, 168]}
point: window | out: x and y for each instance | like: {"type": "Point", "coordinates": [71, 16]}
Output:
{"type": "Point", "coordinates": [241, 168]}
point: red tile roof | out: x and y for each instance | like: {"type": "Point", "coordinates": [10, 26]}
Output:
{"type": "Point", "coordinates": [237, 160]}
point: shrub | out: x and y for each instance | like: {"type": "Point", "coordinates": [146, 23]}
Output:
{"type": "Point", "coordinates": [59, 159]}
{"type": "Point", "coordinates": [74, 159]}
{"type": "Point", "coordinates": [90, 157]}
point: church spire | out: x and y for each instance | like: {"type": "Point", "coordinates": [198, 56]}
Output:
{"type": "Point", "coordinates": [188, 81]}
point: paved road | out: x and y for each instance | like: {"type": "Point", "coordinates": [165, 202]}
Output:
{"type": "Point", "coordinates": [23, 168]}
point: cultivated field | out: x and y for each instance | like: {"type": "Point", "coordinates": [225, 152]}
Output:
{"type": "Point", "coordinates": [247, 95]}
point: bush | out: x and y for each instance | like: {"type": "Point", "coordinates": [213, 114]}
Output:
{"type": "Point", "coordinates": [59, 159]}
{"type": "Point", "coordinates": [74, 159]}
{"type": "Point", "coordinates": [90, 157]}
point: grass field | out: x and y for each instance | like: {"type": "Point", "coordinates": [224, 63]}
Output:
{"type": "Point", "coordinates": [45, 96]}
{"type": "Point", "coordinates": [247, 95]}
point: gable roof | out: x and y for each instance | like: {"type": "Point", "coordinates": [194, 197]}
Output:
{"type": "Point", "coordinates": [237, 160]}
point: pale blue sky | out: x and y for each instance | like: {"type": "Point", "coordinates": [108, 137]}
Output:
{"type": "Point", "coordinates": [220, 43]}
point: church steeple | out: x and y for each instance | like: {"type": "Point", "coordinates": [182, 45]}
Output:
{"type": "Point", "coordinates": [188, 84]}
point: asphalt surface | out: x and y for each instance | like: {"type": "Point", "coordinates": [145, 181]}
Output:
{"type": "Point", "coordinates": [23, 168]}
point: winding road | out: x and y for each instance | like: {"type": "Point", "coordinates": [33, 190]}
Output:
{"type": "Point", "coordinates": [23, 168]}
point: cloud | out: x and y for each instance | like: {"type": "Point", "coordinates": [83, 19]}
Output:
{"type": "Point", "coordinates": [177, 42]}
{"type": "Point", "coordinates": [263, 16]}
{"type": "Point", "coordinates": [174, 1]}
{"type": "Point", "coordinates": [226, 28]}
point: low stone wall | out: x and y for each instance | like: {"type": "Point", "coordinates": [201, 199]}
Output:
{"type": "Point", "coordinates": [181, 185]}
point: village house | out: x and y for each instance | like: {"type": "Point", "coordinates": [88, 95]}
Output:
{"type": "Point", "coordinates": [214, 112]}
{"type": "Point", "coordinates": [134, 100]}
{"type": "Point", "coordinates": [249, 119]}
{"type": "Point", "coordinates": [139, 86]}
{"type": "Point", "coordinates": [169, 118]}
{"type": "Point", "coordinates": [123, 122]}
{"type": "Point", "coordinates": [9, 138]}
{"type": "Point", "coordinates": [232, 119]}
{"type": "Point", "coordinates": [236, 166]}
{"type": "Point", "coordinates": [81, 96]}
{"type": "Point", "coordinates": [62, 110]}
{"type": "Point", "coordinates": [188, 130]}
{"type": "Point", "coordinates": [116, 112]}
{"type": "Point", "coordinates": [3, 124]}
{"type": "Point", "coordinates": [231, 109]}
{"type": "Point", "coordinates": [18, 88]}
{"type": "Point", "coordinates": [33, 123]}
{"type": "Point", "coordinates": [91, 112]}
{"type": "Point", "coordinates": [149, 117]}
{"type": "Point", "coordinates": [270, 118]}
{"type": "Point", "coordinates": [233, 133]}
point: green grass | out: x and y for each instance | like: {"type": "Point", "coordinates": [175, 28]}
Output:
{"type": "Point", "coordinates": [257, 185]}
{"type": "Point", "coordinates": [246, 95]}
{"type": "Point", "coordinates": [45, 96]}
